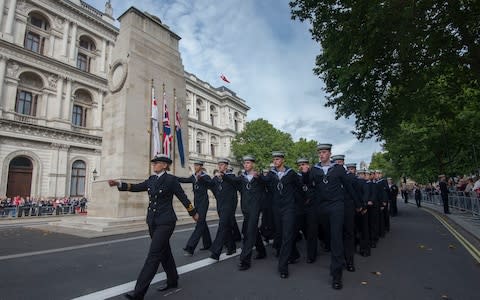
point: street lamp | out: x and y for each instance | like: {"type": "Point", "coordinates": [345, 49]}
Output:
{"type": "Point", "coordinates": [95, 174]}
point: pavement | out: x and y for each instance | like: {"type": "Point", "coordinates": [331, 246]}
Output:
{"type": "Point", "coordinates": [421, 258]}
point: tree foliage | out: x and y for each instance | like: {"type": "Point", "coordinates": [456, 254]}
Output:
{"type": "Point", "coordinates": [260, 138]}
{"type": "Point", "coordinates": [408, 71]}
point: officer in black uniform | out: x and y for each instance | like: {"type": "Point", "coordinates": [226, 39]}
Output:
{"type": "Point", "coordinates": [226, 195]}
{"type": "Point", "coordinates": [252, 189]}
{"type": "Point", "coordinates": [200, 182]}
{"type": "Point", "coordinates": [305, 211]}
{"type": "Point", "coordinates": [283, 182]}
{"type": "Point", "coordinates": [373, 208]}
{"type": "Point", "coordinates": [383, 197]}
{"type": "Point", "coordinates": [161, 221]}
{"type": "Point", "coordinates": [361, 222]}
{"type": "Point", "coordinates": [237, 235]}
{"type": "Point", "coordinates": [329, 181]}
{"type": "Point", "coordinates": [393, 197]}
{"type": "Point", "coordinates": [444, 193]}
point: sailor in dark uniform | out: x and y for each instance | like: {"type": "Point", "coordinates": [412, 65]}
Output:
{"type": "Point", "coordinates": [226, 196]}
{"type": "Point", "coordinates": [283, 182]}
{"type": "Point", "coordinates": [329, 181]}
{"type": "Point", "coordinates": [161, 221]}
{"type": "Point", "coordinates": [361, 222]}
{"type": "Point", "coordinates": [236, 234]}
{"type": "Point", "coordinates": [393, 197]}
{"type": "Point", "coordinates": [252, 189]}
{"type": "Point", "coordinates": [200, 182]}
{"type": "Point", "coordinates": [383, 192]}
{"type": "Point", "coordinates": [373, 208]}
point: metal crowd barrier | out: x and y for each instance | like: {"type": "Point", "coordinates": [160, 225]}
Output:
{"type": "Point", "coordinates": [33, 211]}
{"type": "Point", "coordinates": [458, 201]}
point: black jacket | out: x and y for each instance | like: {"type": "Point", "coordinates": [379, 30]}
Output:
{"type": "Point", "coordinates": [383, 192]}
{"type": "Point", "coordinates": [225, 192]}
{"type": "Point", "coordinates": [200, 190]}
{"type": "Point", "coordinates": [252, 192]}
{"type": "Point", "coordinates": [330, 187]}
{"type": "Point", "coordinates": [160, 193]}
{"type": "Point", "coordinates": [284, 190]}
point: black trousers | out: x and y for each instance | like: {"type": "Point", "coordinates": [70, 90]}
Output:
{"type": "Point", "coordinates": [201, 231]}
{"type": "Point", "coordinates": [285, 233]}
{"type": "Point", "coordinates": [386, 216]}
{"type": "Point", "coordinates": [381, 222]}
{"type": "Point", "coordinates": [251, 235]}
{"type": "Point", "coordinates": [312, 228]}
{"type": "Point", "coordinates": [333, 213]}
{"type": "Point", "coordinates": [349, 231]}
{"type": "Point", "coordinates": [373, 223]}
{"type": "Point", "coordinates": [393, 207]}
{"type": "Point", "coordinates": [418, 201]}
{"type": "Point", "coordinates": [236, 234]}
{"type": "Point", "coordinates": [224, 234]}
{"type": "Point", "coordinates": [405, 194]}
{"type": "Point", "coordinates": [363, 231]}
{"type": "Point", "coordinates": [159, 252]}
{"type": "Point", "coordinates": [446, 209]}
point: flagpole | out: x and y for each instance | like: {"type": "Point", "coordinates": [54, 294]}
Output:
{"type": "Point", "coordinates": [162, 117]}
{"type": "Point", "coordinates": [150, 130]}
{"type": "Point", "coordinates": [174, 132]}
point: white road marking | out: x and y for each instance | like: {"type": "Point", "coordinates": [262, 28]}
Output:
{"type": "Point", "coordinates": [129, 286]}
{"type": "Point", "coordinates": [42, 252]}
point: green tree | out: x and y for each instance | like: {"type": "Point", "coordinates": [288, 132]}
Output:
{"type": "Point", "coordinates": [260, 138]}
{"type": "Point", "coordinates": [302, 148]}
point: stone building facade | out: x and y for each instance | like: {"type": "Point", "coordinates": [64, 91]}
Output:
{"type": "Point", "coordinates": [55, 57]}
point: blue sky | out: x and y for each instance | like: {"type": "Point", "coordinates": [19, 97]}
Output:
{"type": "Point", "coordinates": [267, 57]}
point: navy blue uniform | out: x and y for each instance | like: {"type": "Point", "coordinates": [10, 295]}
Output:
{"type": "Point", "coordinates": [200, 200]}
{"type": "Point", "coordinates": [284, 191]}
{"type": "Point", "coordinates": [252, 193]}
{"type": "Point", "coordinates": [161, 219]}
{"type": "Point", "coordinates": [329, 200]}
{"type": "Point", "coordinates": [226, 195]}
{"type": "Point", "coordinates": [351, 204]}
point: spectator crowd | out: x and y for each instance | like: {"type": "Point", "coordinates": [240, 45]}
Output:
{"type": "Point", "coordinates": [31, 206]}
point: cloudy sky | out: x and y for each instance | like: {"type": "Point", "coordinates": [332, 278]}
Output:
{"type": "Point", "coordinates": [267, 57]}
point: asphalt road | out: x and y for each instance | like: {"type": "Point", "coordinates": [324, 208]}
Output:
{"type": "Point", "coordinates": [419, 259]}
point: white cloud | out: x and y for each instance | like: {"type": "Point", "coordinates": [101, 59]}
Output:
{"type": "Point", "coordinates": [268, 58]}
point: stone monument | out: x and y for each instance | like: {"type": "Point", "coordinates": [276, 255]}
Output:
{"type": "Point", "coordinates": [145, 49]}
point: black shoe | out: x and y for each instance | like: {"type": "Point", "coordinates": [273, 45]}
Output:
{"type": "Point", "coordinates": [243, 266]}
{"type": "Point", "coordinates": [215, 257]}
{"type": "Point", "coordinates": [188, 251]}
{"type": "Point", "coordinates": [261, 255]}
{"type": "Point", "coordinates": [167, 286]}
{"type": "Point", "coordinates": [373, 245]}
{"type": "Point", "coordinates": [283, 275]}
{"type": "Point", "coordinates": [310, 261]}
{"type": "Point", "coordinates": [231, 252]}
{"type": "Point", "coordinates": [205, 248]}
{"type": "Point", "coordinates": [350, 268]}
{"type": "Point", "coordinates": [128, 296]}
{"type": "Point", "coordinates": [337, 282]}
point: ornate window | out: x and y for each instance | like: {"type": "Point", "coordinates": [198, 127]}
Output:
{"type": "Point", "coordinates": [29, 88]}
{"type": "Point", "coordinates": [36, 33]}
{"type": "Point", "coordinates": [86, 53]}
{"type": "Point", "coordinates": [77, 179]}
{"type": "Point", "coordinates": [81, 108]}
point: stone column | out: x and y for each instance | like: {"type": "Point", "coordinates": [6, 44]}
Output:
{"type": "Point", "coordinates": [10, 17]}
{"type": "Point", "coordinates": [67, 104]}
{"type": "Point", "coordinates": [65, 38]}
{"type": "Point", "coordinates": [51, 44]}
{"type": "Point", "coordinates": [98, 111]}
{"type": "Point", "coordinates": [10, 94]}
{"type": "Point", "coordinates": [103, 56]}
{"type": "Point", "coordinates": [59, 101]}
{"type": "Point", "coordinates": [73, 43]}
{"type": "Point", "coordinates": [3, 65]}
{"type": "Point", "coordinates": [2, 7]}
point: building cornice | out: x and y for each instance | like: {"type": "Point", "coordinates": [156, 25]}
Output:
{"type": "Point", "coordinates": [48, 134]}
{"type": "Point", "coordinates": [50, 65]}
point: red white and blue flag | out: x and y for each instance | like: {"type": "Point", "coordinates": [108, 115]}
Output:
{"type": "Point", "coordinates": [224, 78]}
{"type": "Point", "coordinates": [178, 129]}
{"type": "Point", "coordinates": [167, 132]}
{"type": "Point", "coordinates": [156, 148]}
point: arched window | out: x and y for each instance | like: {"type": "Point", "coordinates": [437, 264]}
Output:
{"type": "Point", "coordinates": [199, 147]}
{"type": "Point", "coordinates": [77, 179]}
{"type": "Point", "coordinates": [86, 52]}
{"type": "Point", "coordinates": [29, 88]}
{"type": "Point", "coordinates": [199, 115]}
{"type": "Point", "coordinates": [212, 149]}
{"type": "Point", "coordinates": [213, 114]}
{"type": "Point", "coordinates": [36, 32]}
{"type": "Point", "coordinates": [199, 109]}
{"type": "Point", "coordinates": [81, 107]}
{"type": "Point", "coordinates": [236, 118]}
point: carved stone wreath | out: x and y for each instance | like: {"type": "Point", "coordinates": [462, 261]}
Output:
{"type": "Point", "coordinates": [117, 75]}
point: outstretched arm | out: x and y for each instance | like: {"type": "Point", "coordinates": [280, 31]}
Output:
{"type": "Point", "coordinates": [123, 186]}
